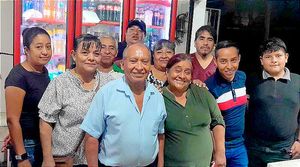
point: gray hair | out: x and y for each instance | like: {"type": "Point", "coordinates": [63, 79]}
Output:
{"type": "Point", "coordinates": [110, 37]}
{"type": "Point", "coordinates": [164, 43]}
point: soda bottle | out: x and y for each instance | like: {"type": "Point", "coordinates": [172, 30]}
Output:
{"type": "Point", "coordinates": [46, 11]}
{"type": "Point", "coordinates": [118, 12]}
{"type": "Point", "coordinates": [161, 17]}
{"type": "Point", "coordinates": [109, 11]}
{"type": "Point", "coordinates": [52, 9]}
{"type": "Point", "coordinates": [85, 4]}
{"type": "Point", "coordinates": [154, 18]}
{"type": "Point", "coordinates": [148, 16]}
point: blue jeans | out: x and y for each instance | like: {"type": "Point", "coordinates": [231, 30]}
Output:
{"type": "Point", "coordinates": [34, 151]}
{"type": "Point", "coordinates": [237, 157]}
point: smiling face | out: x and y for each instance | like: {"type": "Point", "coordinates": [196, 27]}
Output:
{"type": "Point", "coordinates": [228, 60]}
{"type": "Point", "coordinates": [274, 62]}
{"type": "Point", "coordinates": [87, 59]}
{"type": "Point", "coordinates": [108, 52]}
{"type": "Point", "coordinates": [204, 43]}
{"type": "Point", "coordinates": [136, 64]}
{"type": "Point", "coordinates": [161, 58]}
{"type": "Point", "coordinates": [180, 76]}
{"type": "Point", "coordinates": [134, 35]}
{"type": "Point", "coordinates": [39, 51]}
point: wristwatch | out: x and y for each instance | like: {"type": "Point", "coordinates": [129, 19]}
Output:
{"type": "Point", "coordinates": [21, 157]}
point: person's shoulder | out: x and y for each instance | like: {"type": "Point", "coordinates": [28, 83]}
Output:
{"type": "Point", "coordinates": [241, 74]}
{"type": "Point", "coordinates": [16, 75]}
{"type": "Point", "coordinates": [117, 83]}
{"type": "Point", "coordinates": [195, 88]}
{"type": "Point", "coordinates": [211, 81]}
{"type": "Point", "coordinates": [153, 89]}
{"type": "Point", "coordinates": [296, 76]}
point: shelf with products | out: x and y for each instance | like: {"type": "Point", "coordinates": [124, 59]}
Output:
{"type": "Point", "coordinates": [45, 20]}
{"type": "Point", "coordinates": [109, 23]}
{"type": "Point", "coordinates": [155, 27]}
{"type": "Point", "coordinates": [156, 2]}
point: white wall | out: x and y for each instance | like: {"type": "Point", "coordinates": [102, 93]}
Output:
{"type": "Point", "coordinates": [6, 45]}
{"type": "Point", "coordinates": [198, 20]}
{"type": "Point", "coordinates": [182, 7]}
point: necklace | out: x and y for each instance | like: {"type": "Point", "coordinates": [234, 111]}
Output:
{"type": "Point", "coordinates": [81, 80]}
{"type": "Point", "coordinates": [32, 68]}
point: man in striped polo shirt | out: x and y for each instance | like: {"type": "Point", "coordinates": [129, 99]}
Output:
{"type": "Point", "coordinates": [227, 85]}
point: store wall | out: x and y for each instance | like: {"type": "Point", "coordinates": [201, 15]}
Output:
{"type": "Point", "coordinates": [6, 46]}
{"type": "Point", "coordinates": [198, 20]}
{"type": "Point", "coordinates": [6, 61]}
{"type": "Point", "coordinates": [183, 7]}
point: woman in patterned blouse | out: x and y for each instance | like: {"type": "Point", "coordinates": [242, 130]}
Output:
{"type": "Point", "coordinates": [65, 103]}
{"type": "Point", "coordinates": [163, 51]}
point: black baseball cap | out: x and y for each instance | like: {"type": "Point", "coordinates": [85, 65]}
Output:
{"type": "Point", "coordinates": [137, 22]}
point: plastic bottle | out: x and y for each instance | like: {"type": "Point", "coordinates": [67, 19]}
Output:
{"type": "Point", "coordinates": [85, 4]}
{"type": "Point", "coordinates": [46, 11]}
{"type": "Point", "coordinates": [109, 11]}
{"type": "Point", "coordinates": [148, 16]}
{"type": "Point", "coordinates": [118, 12]}
{"type": "Point", "coordinates": [115, 12]}
{"type": "Point", "coordinates": [161, 17]}
{"type": "Point", "coordinates": [52, 9]}
{"type": "Point", "coordinates": [92, 6]}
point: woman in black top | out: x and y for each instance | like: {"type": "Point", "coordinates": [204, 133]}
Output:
{"type": "Point", "coordinates": [24, 88]}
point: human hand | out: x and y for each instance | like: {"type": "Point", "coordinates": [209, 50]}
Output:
{"type": "Point", "coordinates": [295, 150]}
{"type": "Point", "coordinates": [199, 83]}
{"type": "Point", "coordinates": [48, 162]}
{"type": "Point", "coordinates": [219, 159]}
{"type": "Point", "coordinates": [24, 163]}
{"type": "Point", "coordinates": [7, 141]}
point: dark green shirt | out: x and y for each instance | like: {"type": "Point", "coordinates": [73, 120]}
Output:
{"type": "Point", "coordinates": [188, 139]}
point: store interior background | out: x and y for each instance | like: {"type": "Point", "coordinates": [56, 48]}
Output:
{"type": "Point", "coordinates": [247, 22]}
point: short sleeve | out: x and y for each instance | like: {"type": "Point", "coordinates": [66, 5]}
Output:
{"type": "Point", "coordinates": [16, 78]}
{"type": "Point", "coordinates": [94, 121]}
{"type": "Point", "coordinates": [161, 127]}
{"type": "Point", "coordinates": [215, 113]}
{"type": "Point", "coordinates": [51, 102]}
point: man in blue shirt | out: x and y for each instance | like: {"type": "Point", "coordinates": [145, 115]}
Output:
{"type": "Point", "coordinates": [227, 85]}
{"type": "Point", "coordinates": [127, 117]}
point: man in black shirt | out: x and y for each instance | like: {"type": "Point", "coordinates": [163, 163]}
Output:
{"type": "Point", "coordinates": [274, 104]}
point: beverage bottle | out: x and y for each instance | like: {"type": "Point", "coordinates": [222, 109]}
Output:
{"type": "Point", "coordinates": [137, 13]}
{"type": "Point", "coordinates": [155, 20]}
{"type": "Point", "coordinates": [38, 5]}
{"type": "Point", "coordinates": [148, 16]}
{"type": "Point", "coordinates": [118, 12]}
{"type": "Point", "coordinates": [85, 4]}
{"type": "Point", "coordinates": [161, 17]}
{"type": "Point", "coordinates": [46, 11]}
{"type": "Point", "coordinates": [109, 11]}
{"type": "Point", "coordinates": [112, 12]}
{"type": "Point", "coordinates": [25, 5]}
{"type": "Point", "coordinates": [92, 5]}
{"type": "Point", "coordinates": [157, 17]}
{"type": "Point", "coordinates": [142, 13]}
{"type": "Point", "coordinates": [52, 9]}
{"type": "Point", "coordinates": [154, 17]}
{"type": "Point", "coordinates": [104, 11]}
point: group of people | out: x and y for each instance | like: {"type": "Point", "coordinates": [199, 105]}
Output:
{"type": "Point", "coordinates": [124, 105]}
